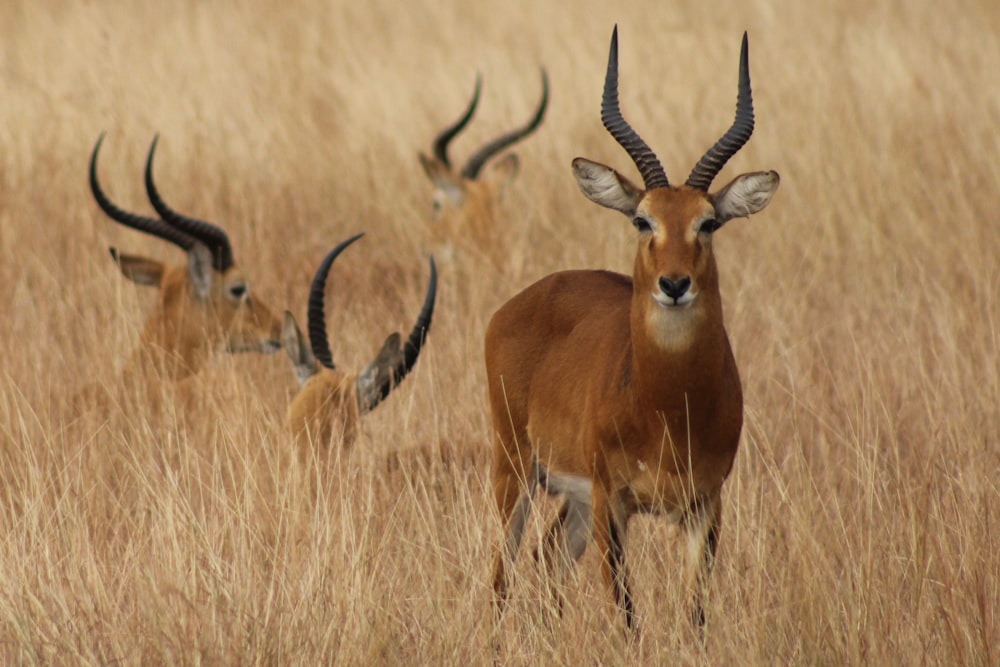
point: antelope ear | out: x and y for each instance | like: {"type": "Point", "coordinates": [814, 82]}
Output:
{"type": "Point", "coordinates": [502, 172]}
{"type": "Point", "coordinates": [299, 353]}
{"type": "Point", "coordinates": [605, 186]}
{"type": "Point", "coordinates": [380, 373]}
{"type": "Point", "coordinates": [445, 181]}
{"type": "Point", "coordinates": [140, 270]}
{"type": "Point", "coordinates": [200, 269]}
{"type": "Point", "coordinates": [439, 173]}
{"type": "Point", "coordinates": [745, 195]}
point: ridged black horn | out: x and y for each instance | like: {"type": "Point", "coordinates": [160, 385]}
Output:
{"type": "Point", "coordinates": [649, 166]}
{"type": "Point", "coordinates": [735, 137]}
{"type": "Point", "coordinates": [317, 316]}
{"type": "Point", "coordinates": [442, 140]}
{"type": "Point", "coordinates": [413, 344]}
{"type": "Point", "coordinates": [475, 164]}
{"type": "Point", "coordinates": [212, 236]}
{"type": "Point", "coordinates": [152, 226]}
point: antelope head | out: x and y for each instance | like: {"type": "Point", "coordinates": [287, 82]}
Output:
{"type": "Point", "coordinates": [675, 278]}
{"type": "Point", "coordinates": [205, 306]}
{"type": "Point", "coordinates": [467, 196]}
{"type": "Point", "coordinates": [330, 402]}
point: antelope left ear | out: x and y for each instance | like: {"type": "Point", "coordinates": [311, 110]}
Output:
{"type": "Point", "coordinates": [503, 171]}
{"type": "Point", "coordinates": [745, 195]}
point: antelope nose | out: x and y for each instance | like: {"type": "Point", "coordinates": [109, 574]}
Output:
{"type": "Point", "coordinates": [675, 289]}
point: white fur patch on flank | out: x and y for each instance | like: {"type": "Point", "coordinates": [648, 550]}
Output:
{"type": "Point", "coordinates": [575, 487]}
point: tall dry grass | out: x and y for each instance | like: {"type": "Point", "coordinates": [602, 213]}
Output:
{"type": "Point", "coordinates": [861, 521]}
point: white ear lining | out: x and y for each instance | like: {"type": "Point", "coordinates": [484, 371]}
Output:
{"type": "Point", "coordinates": [745, 195]}
{"type": "Point", "coordinates": [605, 186]}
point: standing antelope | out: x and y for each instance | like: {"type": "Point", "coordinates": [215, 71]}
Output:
{"type": "Point", "coordinates": [203, 307]}
{"type": "Point", "coordinates": [465, 200]}
{"type": "Point", "coordinates": [330, 402]}
{"type": "Point", "coordinates": [622, 393]}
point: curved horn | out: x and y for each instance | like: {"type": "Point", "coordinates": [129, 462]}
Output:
{"type": "Point", "coordinates": [213, 237]}
{"type": "Point", "coordinates": [643, 157]}
{"type": "Point", "coordinates": [735, 137]}
{"type": "Point", "coordinates": [151, 226]}
{"type": "Point", "coordinates": [444, 138]}
{"type": "Point", "coordinates": [475, 164]}
{"type": "Point", "coordinates": [317, 317]}
{"type": "Point", "coordinates": [413, 344]}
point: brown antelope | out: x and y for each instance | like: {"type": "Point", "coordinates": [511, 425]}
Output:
{"type": "Point", "coordinates": [465, 200]}
{"type": "Point", "coordinates": [621, 393]}
{"type": "Point", "coordinates": [203, 307]}
{"type": "Point", "coordinates": [330, 402]}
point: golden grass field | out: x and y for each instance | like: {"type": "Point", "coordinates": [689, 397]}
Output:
{"type": "Point", "coordinates": [861, 521]}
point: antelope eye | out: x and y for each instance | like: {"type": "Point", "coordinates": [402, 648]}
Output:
{"type": "Point", "coordinates": [709, 226]}
{"type": "Point", "coordinates": [238, 291]}
{"type": "Point", "coordinates": [642, 224]}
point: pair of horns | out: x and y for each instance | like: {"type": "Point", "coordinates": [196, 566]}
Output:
{"type": "Point", "coordinates": [479, 158]}
{"type": "Point", "coordinates": [317, 319]}
{"type": "Point", "coordinates": [171, 226]}
{"type": "Point", "coordinates": [645, 160]}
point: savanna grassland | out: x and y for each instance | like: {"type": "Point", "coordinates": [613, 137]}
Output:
{"type": "Point", "coordinates": [861, 521]}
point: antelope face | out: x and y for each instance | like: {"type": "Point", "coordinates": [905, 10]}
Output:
{"type": "Point", "coordinates": [675, 278]}
{"type": "Point", "coordinates": [203, 310]}
{"type": "Point", "coordinates": [247, 323]}
{"type": "Point", "coordinates": [674, 261]}
{"type": "Point", "coordinates": [457, 194]}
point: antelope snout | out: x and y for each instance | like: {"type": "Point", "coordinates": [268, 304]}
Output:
{"type": "Point", "coordinates": [676, 290]}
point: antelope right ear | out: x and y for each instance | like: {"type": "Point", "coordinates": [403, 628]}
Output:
{"type": "Point", "coordinates": [605, 186]}
{"type": "Point", "coordinates": [140, 270]}
{"type": "Point", "coordinates": [298, 350]}
{"type": "Point", "coordinates": [439, 173]}
{"type": "Point", "coordinates": [200, 269]}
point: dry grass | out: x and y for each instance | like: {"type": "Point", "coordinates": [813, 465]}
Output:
{"type": "Point", "coordinates": [861, 521]}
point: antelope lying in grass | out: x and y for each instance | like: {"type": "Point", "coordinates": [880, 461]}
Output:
{"type": "Point", "coordinates": [330, 402]}
{"type": "Point", "coordinates": [465, 200]}
{"type": "Point", "coordinates": [621, 393]}
{"type": "Point", "coordinates": [203, 307]}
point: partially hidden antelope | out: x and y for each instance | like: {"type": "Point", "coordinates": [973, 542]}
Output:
{"type": "Point", "coordinates": [622, 393]}
{"type": "Point", "coordinates": [465, 199]}
{"type": "Point", "coordinates": [204, 306]}
{"type": "Point", "coordinates": [330, 402]}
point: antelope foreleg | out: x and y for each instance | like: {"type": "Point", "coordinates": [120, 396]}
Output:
{"type": "Point", "coordinates": [702, 524]}
{"type": "Point", "coordinates": [609, 535]}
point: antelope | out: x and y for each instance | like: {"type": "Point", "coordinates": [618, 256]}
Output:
{"type": "Point", "coordinates": [622, 393]}
{"type": "Point", "coordinates": [465, 200]}
{"type": "Point", "coordinates": [203, 307]}
{"type": "Point", "coordinates": [330, 402]}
